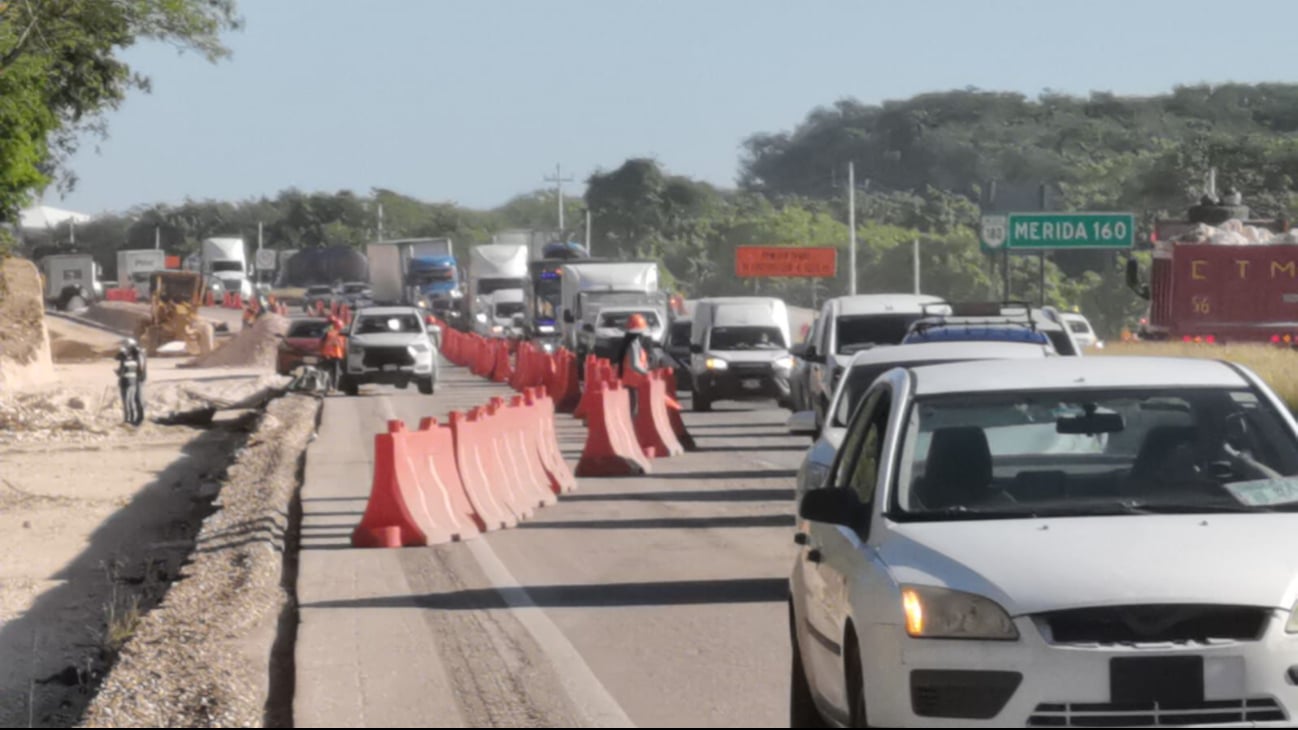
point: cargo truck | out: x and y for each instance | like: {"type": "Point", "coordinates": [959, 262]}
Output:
{"type": "Point", "coordinates": [588, 287]}
{"type": "Point", "coordinates": [72, 281]}
{"type": "Point", "coordinates": [416, 272]}
{"type": "Point", "coordinates": [225, 262]}
{"type": "Point", "coordinates": [1220, 277]}
{"type": "Point", "coordinates": [134, 267]}
{"type": "Point", "coordinates": [492, 267]}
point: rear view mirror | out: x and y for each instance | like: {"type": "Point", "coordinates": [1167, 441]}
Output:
{"type": "Point", "coordinates": [798, 350]}
{"type": "Point", "coordinates": [1090, 424]}
{"type": "Point", "coordinates": [832, 506]}
{"type": "Point", "coordinates": [696, 349]}
{"type": "Point", "coordinates": [567, 316]}
{"type": "Point", "coordinates": [802, 423]}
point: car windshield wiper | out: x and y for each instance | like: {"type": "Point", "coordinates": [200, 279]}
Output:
{"type": "Point", "coordinates": [1190, 508]}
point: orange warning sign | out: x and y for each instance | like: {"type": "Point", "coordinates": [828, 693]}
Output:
{"type": "Point", "coordinates": [805, 261]}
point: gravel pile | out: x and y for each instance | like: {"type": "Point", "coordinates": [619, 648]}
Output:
{"type": "Point", "coordinates": [95, 415]}
{"type": "Point", "coordinates": [201, 658]}
{"type": "Point", "coordinates": [253, 347]}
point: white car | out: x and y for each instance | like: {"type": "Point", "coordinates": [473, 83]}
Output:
{"type": "Point", "coordinates": [1066, 542]}
{"type": "Point", "coordinates": [849, 324]}
{"type": "Point", "coordinates": [862, 371]}
{"type": "Point", "coordinates": [1081, 329]}
{"type": "Point", "coordinates": [391, 346]}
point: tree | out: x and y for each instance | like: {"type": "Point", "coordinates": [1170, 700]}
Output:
{"type": "Point", "coordinates": [60, 70]}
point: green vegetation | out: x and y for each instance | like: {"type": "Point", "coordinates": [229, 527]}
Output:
{"type": "Point", "coordinates": [926, 167]}
{"type": "Point", "coordinates": [60, 69]}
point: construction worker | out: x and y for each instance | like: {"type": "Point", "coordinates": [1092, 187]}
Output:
{"type": "Point", "coordinates": [131, 373]}
{"type": "Point", "coordinates": [333, 350]}
{"type": "Point", "coordinates": [633, 356]}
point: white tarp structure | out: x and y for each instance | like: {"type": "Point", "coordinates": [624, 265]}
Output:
{"type": "Point", "coordinates": [44, 217]}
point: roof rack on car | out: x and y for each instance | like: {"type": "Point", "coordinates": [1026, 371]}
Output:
{"type": "Point", "coordinates": [996, 313]}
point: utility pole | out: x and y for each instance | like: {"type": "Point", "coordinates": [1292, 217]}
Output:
{"type": "Point", "coordinates": [1041, 203]}
{"type": "Point", "coordinates": [380, 222]}
{"type": "Point", "coordinates": [851, 226]}
{"type": "Point", "coordinates": [587, 230]}
{"type": "Point", "coordinates": [915, 255]}
{"type": "Point", "coordinates": [157, 238]}
{"type": "Point", "coordinates": [72, 232]}
{"type": "Point", "coordinates": [558, 181]}
{"type": "Point", "coordinates": [259, 229]}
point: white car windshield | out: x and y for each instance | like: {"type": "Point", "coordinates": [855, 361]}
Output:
{"type": "Point", "coordinates": [855, 333]}
{"type": "Point", "coordinates": [1003, 455]}
{"type": "Point", "coordinates": [386, 324]}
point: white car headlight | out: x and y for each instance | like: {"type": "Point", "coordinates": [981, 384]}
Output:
{"type": "Point", "coordinates": [457, 294]}
{"type": "Point", "coordinates": [715, 363]}
{"type": "Point", "coordinates": [940, 613]}
{"type": "Point", "coordinates": [784, 363]}
{"type": "Point", "coordinates": [420, 348]}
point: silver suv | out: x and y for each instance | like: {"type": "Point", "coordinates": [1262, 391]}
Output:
{"type": "Point", "coordinates": [391, 346]}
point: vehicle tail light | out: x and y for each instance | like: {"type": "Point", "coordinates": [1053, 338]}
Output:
{"type": "Point", "coordinates": [1288, 339]}
{"type": "Point", "coordinates": [1275, 339]}
{"type": "Point", "coordinates": [1210, 339]}
{"type": "Point", "coordinates": [1187, 338]}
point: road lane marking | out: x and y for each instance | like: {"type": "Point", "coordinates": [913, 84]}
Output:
{"type": "Point", "coordinates": [591, 698]}
{"type": "Point", "coordinates": [589, 695]}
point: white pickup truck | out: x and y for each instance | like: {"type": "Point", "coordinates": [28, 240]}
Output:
{"type": "Point", "coordinates": [391, 346]}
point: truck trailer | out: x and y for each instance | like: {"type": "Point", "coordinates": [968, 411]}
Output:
{"type": "Point", "coordinates": [1220, 277]}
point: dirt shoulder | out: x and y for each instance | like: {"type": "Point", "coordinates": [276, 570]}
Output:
{"type": "Point", "coordinates": [203, 658]}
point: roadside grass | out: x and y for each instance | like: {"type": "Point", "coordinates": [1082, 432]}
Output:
{"type": "Point", "coordinates": [1278, 366]}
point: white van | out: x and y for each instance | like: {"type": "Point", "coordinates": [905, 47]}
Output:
{"type": "Point", "coordinates": [739, 350]}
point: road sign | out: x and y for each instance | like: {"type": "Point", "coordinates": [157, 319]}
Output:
{"type": "Point", "coordinates": [1057, 231]}
{"type": "Point", "coordinates": [793, 261]}
{"type": "Point", "coordinates": [265, 259]}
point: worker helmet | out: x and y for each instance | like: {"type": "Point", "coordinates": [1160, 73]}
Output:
{"type": "Point", "coordinates": [129, 343]}
{"type": "Point", "coordinates": [636, 323]}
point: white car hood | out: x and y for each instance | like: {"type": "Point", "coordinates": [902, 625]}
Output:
{"type": "Point", "coordinates": [393, 339]}
{"type": "Point", "coordinates": [749, 355]}
{"type": "Point", "coordinates": [1035, 565]}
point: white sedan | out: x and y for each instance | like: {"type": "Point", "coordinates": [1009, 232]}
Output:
{"type": "Point", "coordinates": [863, 369]}
{"type": "Point", "coordinates": [1067, 542]}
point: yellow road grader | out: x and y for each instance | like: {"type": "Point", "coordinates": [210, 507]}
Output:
{"type": "Point", "coordinates": [174, 314]}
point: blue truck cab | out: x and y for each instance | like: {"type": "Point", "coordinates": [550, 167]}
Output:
{"type": "Point", "coordinates": [437, 281]}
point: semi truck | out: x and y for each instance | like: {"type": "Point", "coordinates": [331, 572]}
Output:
{"type": "Point", "coordinates": [588, 287]}
{"type": "Point", "coordinates": [492, 267]}
{"type": "Point", "coordinates": [1220, 276]}
{"type": "Point", "coordinates": [135, 266]}
{"type": "Point", "coordinates": [224, 261]}
{"type": "Point", "coordinates": [433, 275]}
{"type": "Point", "coordinates": [419, 272]}
{"type": "Point", "coordinates": [72, 280]}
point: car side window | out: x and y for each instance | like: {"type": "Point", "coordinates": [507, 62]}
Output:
{"type": "Point", "coordinates": [865, 473]}
{"type": "Point", "coordinates": [850, 451]}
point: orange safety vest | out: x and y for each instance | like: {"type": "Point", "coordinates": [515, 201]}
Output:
{"type": "Point", "coordinates": [334, 347]}
{"type": "Point", "coordinates": [630, 375]}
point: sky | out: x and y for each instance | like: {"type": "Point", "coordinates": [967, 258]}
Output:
{"type": "Point", "coordinates": [475, 101]}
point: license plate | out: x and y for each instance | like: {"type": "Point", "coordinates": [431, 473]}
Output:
{"type": "Point", "coordinates": [311, 360]}
{"type": "Point", "coordinates": [1168, 681]}
{"type": "Point", "coordinates": [752, 384]}
{"type": "Point", "coordinates": [391, 368]}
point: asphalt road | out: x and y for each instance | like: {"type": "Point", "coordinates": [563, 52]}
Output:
{"type": "Point", "coordinates": [655, 601]}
